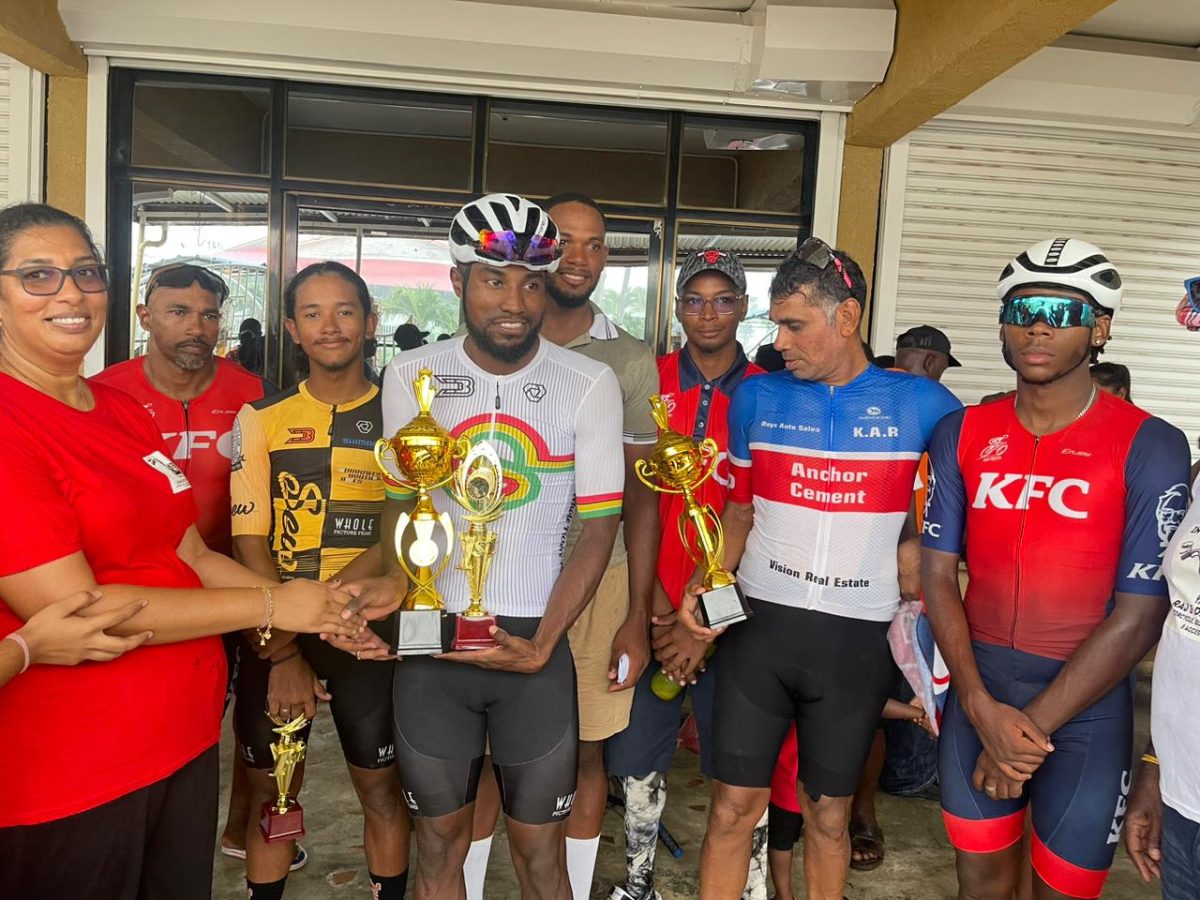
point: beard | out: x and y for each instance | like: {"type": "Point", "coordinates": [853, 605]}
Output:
{"type": "Point", "coordinates": [505, 353]}
{"type": "Point", "coordinates": [191, 362]}
{"type": "Point", "coordinates": [566, 299]}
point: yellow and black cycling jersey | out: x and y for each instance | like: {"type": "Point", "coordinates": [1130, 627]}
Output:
{"type": "Point", "coordinates": [304, 476]}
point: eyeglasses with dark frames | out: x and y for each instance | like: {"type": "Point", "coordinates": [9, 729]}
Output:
{"type": "Point", "coordinates": [46, 281]}
{"type": "Point", "coordinates": [693, 304]}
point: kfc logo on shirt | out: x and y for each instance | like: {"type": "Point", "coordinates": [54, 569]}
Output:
{"type": "Point", "coordinates": [191, 441]}
{"type": "Point", "coordinates": [1168, 514]}
{"type": "Point", "coordinates": [1169, 511]}
{"type": "Point", "coordinates": [1014, 491]}
{"type": "Point", "coordinates": [933, 529]}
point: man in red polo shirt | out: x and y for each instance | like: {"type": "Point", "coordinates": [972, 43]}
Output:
{"type": "Point", "coordinates": [696, 384]}
{"type": "Point", "coordinates": [194, 397]}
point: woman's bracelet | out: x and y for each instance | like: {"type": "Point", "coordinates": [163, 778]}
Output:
{"type": "Point", "coordinates": [264, 631]}
{"type": "Point", "coordinates": [295, 652]}
{"type": "Point", "coordinates": [1150, 758]}
{"type": "Point", "coordinates": [20, 641]}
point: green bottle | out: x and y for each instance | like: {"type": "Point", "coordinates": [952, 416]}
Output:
{"type": "Point", "coordinates": [664, 688]}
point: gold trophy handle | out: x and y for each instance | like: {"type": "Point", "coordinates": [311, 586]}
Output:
{"type": "Point", "coordinates": [385, 452]}
{"type": "Point", "coordinates": [709, 452]}
{"type": "Point", "coordinates": [385, 458]}
{"type": "Point", "coordinates": [647, 474]}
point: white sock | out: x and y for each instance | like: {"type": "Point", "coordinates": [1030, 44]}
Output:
{"type": "Point", "coordinates": [475, 867]}
{"type": "Point", "coordinates": [581, 863]}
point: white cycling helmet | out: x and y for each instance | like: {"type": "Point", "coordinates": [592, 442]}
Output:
{"type": "Point", "coordinates": [504, 230]}
{"type": "Point", "coordinates": [1065, 263]}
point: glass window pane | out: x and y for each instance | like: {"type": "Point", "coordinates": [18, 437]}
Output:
{"type": "Point", "coordinates": [403, 257]}
{"type": "Point", "coordinates": [760, 250]}
{"type": "Point", "coordinates": [225, 231]}
{"type": "Point", "coordinates": [539, 152]}
{"type": "Point", "coordinates": [623, 292]}
{"type": "Point", "coordinates": [207, 128]}
{"type": "Point", "coordinates": [417, 143]}
{"type": "Point", "coordinates": [727, 165]}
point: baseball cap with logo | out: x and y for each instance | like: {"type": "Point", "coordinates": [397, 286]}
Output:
{"type": "Point", "coordinates": [926, 337]}
{"type": "Point", "coordinates": [712, 261]}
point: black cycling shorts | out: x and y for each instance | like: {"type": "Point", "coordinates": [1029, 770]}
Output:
{"type": "Point", "coordinates": [829, 674]}
{"type": "Point", "coordinates": [446, 713]}
{"type": "Point", "coordinates": [361, 705]}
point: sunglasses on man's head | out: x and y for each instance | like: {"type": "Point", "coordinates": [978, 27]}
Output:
{"type": "Point", "coordinates": [182, 275]}
{"type": "Point", "coordinates": [1057, 312]}
{"type": "Point", "coordinates": [816, 252]}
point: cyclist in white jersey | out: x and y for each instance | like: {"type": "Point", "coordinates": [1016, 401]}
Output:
{"type": "Point", "coordinates": [554, 418]}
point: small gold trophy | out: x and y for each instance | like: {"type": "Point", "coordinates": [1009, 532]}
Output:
{"type": "Point", "coordinates": [479, 489]}
{"type": "Point", "coordinates": [421, 456]}
{"type": "Point", "coordinates": [283, 819]}
{"type": "Point", "coordinates": [679, 465]}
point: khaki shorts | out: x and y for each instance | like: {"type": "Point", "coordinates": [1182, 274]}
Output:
{"type": "Point", "coordinates": [601, 714]}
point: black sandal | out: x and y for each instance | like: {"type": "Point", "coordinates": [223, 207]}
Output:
{"type": "Point", "coordinates": [866, 840]}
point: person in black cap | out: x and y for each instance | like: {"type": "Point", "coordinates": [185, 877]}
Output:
{"type": "Point", "coordinates": [409, 337]}
{"type": "Point", "coordinates": [925, 351]}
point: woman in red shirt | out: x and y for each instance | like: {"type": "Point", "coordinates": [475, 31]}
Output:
{"type": "Point", "coordinates": [108, 772]}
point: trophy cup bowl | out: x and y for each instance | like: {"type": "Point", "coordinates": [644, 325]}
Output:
{"type": "Point", "coordinates": [479, 489]}
{"type": "Point", "coordinates": [421, 457]}
{"type": "Point", "coordinates": [679, 464]}
{"type": "Point", "coordinates": [282, 819]}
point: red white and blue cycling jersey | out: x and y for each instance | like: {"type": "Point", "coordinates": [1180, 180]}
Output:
{"type": "Point", "coordinates": [1054, 525]}
{"type": "Point", "coordinates": [830, 473]}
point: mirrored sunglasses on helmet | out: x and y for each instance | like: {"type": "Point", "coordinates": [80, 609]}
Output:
{"type": "Point", "coordinates": [509, 247]}
{"type": "Point", "coordinates": [816, 252]}
{"type": "Point", "coordinates": [1057, 312]}
{"type": "Point", "coordinates": [183, 275]}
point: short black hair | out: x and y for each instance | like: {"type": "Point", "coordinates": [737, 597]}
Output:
{"type": "Point", "coordinates": [22, 216]}
{"type": "Point", "coordinates": [575, 197]}
{"type": "Point", "coordinates": [830, 287]}
{"type": "Point", "coordinates": [1113, 376]}
{"type": "Point", "coordinates": [328, 267]}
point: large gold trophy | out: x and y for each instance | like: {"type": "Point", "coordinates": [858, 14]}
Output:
{"type": "Point", "coordinates": [679, 465]}
{"type": "Point", "coordinates": [283, 818]}
{"type": "Point", "coordinates": [479, 489]}
{"type": "Point", "coordinates": [421, 457]}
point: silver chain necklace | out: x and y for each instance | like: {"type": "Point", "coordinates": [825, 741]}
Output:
{"type": "Point", "coordinates": [1091, 399]}
{"type": "Point", "coordinates": [1086, 406]}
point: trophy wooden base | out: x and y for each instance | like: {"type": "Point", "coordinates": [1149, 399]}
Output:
{"type": "Point", "coordinates": [420, 632]}
{"type": "Point", "coordinates": [724, 606]}
{"type": "Point", "coordinates": [281, 826]}
{"type": "Point", "coordinates": [473, 633]}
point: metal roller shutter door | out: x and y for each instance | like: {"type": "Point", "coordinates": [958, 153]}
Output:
{"type": "Point", "coordinates": [974, 195]}
{"type": "Point", "coordinates": [6, 137]}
